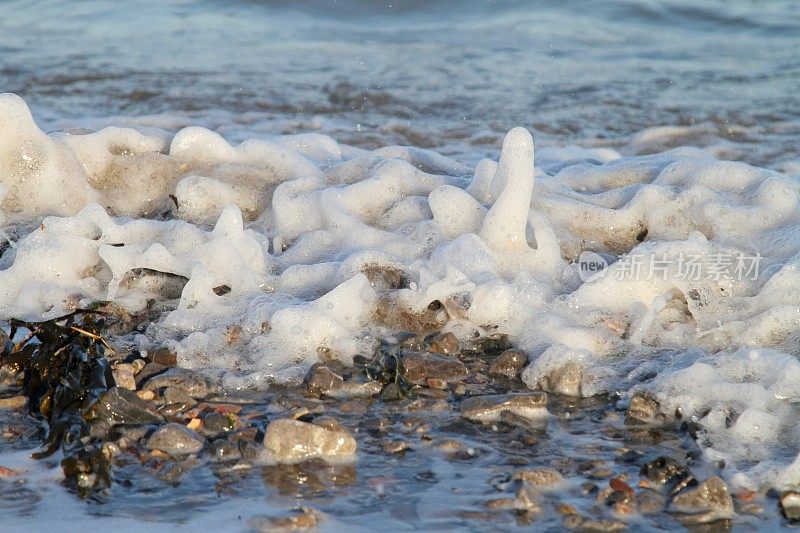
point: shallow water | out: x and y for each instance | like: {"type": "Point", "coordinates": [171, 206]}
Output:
{"type": "Point", "coordinates": [420, 73]}
{"type": "Point", "coordinates": [618, 78]}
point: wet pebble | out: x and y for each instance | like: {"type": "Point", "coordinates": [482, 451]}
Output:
{"type": "Point", "coordinates": [180, 380]}
{"type": "Point", "coordinates": [395, 446]}
{"type": "Point", "coordinates": [223, 450]}
{"type": "Point", "coordinates": [149, 370]}
{"type": "Point", "coordinates": [13, 402]}
{"type": "Point", "coordinates": [418, 367]}
{"type": "Point", "coordinates": [490, 408]}
{"type": "Point", "coordinates": [667, 472]}
{"type": "Point", "coordinates": [124, 376]}
{"type": "Point", "coordinates": [219, 422]}
{"type": "Point", "coordinates": [178, 395]}
{"type": "Point", "coordinates": [540, 477]}
{"type": "Point", "coordinates": [292, 441]}
{"type": "Point", "coordinates": [163, 356]}
{"type": "Point", "coordinates": [643, 410]}
{"type": "Point", "coordinates": [708, 502]}
{"type": "Point", "coordinates": [301, 519]}
{"type": "Point", "coordinates": [508, 364]}
{"type": "Point", "coordinates": [175, 439]}
{"type": "Point", "coordinates": [391, 393]}
{"type": "Point", "coordinates": [566, 380]}
{"type": "Point", "coordinates": [445, 343]}
{"type": "Point", "coordinates": [790, 505]}
{"type": "Point", "coordinates": [120, 406]}
{"type": "Point", "coordinates": [322, 380]}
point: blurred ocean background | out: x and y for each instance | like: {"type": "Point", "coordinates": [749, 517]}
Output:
{"type": "Point", "coordinates": [419, 72]}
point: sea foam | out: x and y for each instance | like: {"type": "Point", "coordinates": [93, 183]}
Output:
{"type": "Point", "coordinates": [291, 249]}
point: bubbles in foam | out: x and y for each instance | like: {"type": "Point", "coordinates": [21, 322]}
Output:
{"type": "Point", "coordinates": [267, 254]}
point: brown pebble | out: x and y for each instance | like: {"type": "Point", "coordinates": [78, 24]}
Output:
{"type": "Point", "coordinates": [417, 368]}
{"type": "Point", "coordinates": [566, 509]}
{"type": "Point", "coordinates": [619, 485]}
{"type": "Point", "coordinates": [13, 402]}
{"type": "Point", "coordinates": [303, 518]}
{"type": "Point", "coordinates": [541, 477]}
{"type": "Point", "coordinates": [445, 343]}
{"type": "Point", "coordinates": [395, 446]}
{"type": "Point", "coordinates": [8, 472]}
{"type": "Point", "coordinates": [436, 383]}
{"type": "Point", "coordinates": [508, 363]}
{"type": "Point", "coordinates": [163, 356]}
{"type": "Point", "coordinates": [146, 395]}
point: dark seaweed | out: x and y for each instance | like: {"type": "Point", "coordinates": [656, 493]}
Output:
{"type": "Point", "coordinates": [65, 372]}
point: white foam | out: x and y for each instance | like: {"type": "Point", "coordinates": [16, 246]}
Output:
{"type": "Point", "coordinates": [288, 249]}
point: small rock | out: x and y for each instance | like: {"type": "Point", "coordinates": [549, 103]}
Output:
{"type": "Point", "coordinates": [391, 393]}
{"type": "Point", "coordinates": [419, 367]}
{"type": "Point", "coordinates": [436, 383]}
{"type": "Point", "coordinates": [618, 484]}
{"type": "Point", "coordinates": [137, 365]}
{"type": "Point", "coordinates": [790, 505]}
{"type": "Point", "coordinates": [223, 451]}
{"type": "Point", "coordinates": [149, 370]}
{"type": "Point", "coordinates": [120, 406]}
{"type": "Point", "coordinates": [123, 376]}
{"type": "Point", "coordinates": [508, 364]}
{"type": "Point", "coordinates": [643, 410]}
{"type": "Point", "coordinates": [8, 472]}
{"type": "Point", "coordinates": [566, 509]}
{"type": "Point", "coordinates": [490, 344]}
{"type": "Point", "coordinates": [320, 379]}
{"type": "Point", "coordinates": [667, 472]}
{"type": "Point", "coordinates": [13, 402]}
{"type": "Point", "coordinates": [180, 379]}
{"type": "Point", "coordinates": [302, 519]}
{"type": "Point", "coordinates": [395, 446]}
{"type": "Point", "coordinates": [490, 408]}
{"type": "Point", "coordinates": [708, 502]}
{"type": "Point", "coordinates": [324, 381]}
{"type": "Point", "coordinates": [146, 395]}
{"type": "Point", "coordinates": [292, 441]}
{"type": "Point", "coordinates": [178, 395]}
{"type": "Point", "coordinates": [175, 440]}
{"type": "Point", "coordinates": [445, 343]}
{"type": "Point", "coordinates": [567, 380]}
{"type": "Point", "coordinates": [163, 356]}
{"type": "Point", "coordinates": [357, 389]}
{"type": "Point", "coordinates": [428, 405]}
{"type": "Point", "coordinates": [409, 341]}
{"type": "Point", "coordinates": [540, 477]}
